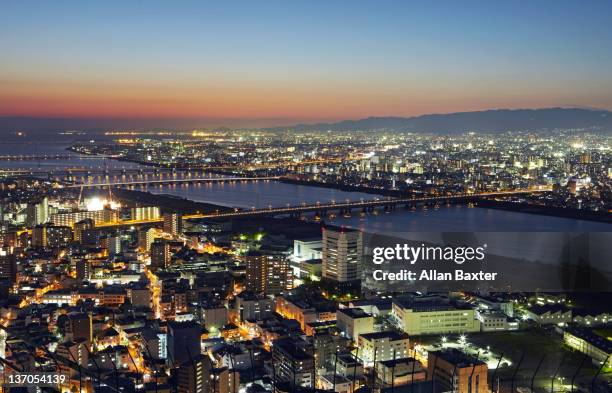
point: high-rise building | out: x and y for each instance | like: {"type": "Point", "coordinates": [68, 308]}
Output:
{"type": "Point", "coordinates": [114, 245]}
{"type": "Point", "coordinates": [80, 327]}
{"type": "Point", "coordinates": [9, 239]}
{"type": "Point", "coordinates": [342, 256]}
{"type": "Point", "coordinates": [192, 376]}
{"type": "Point", "coordinates": [39, 236]}
{"type": "Point", "coordinates": [144, 213]}
{"type": "Point", "coordinates": [98, 216]}
{"type": "Point", "coordinates": [265, 273]}
{"type": "Point", "coordinates": [292, 364]}
{"type": "Point", "coordinates": [82, 226]}
{"type": "Point", "coordinates": [83, 270]}
{"type": "Point", "coordinates": [91, 237]}
{"type": "Point", "coordinates": [146, 237]}
{"type": "Point", "coordinates": [223, 380]}
{"type": "Point", "coordinates": [58, 235]}
{"type": "Point", "coordinates": [156, 342]}
{"type": "Point", "coordinates": [75, 350]}
{"type": "Point", "coordinates": [51, 235]}
{"type": "Point", "coordinates": [173, 223]}
{"type": "Point", "coordinates": [184, 341]}
{"type": "Point", "coordinates": [160, 255]}
{"type": "Point", "coordinates": [8, 267]}
{"type": "Point", "coordinates": [201, 376]}
{"type": "Point", "coordinates": [37, 213]}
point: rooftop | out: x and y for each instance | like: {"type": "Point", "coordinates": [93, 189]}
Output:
{"type": "Point", "coordinates": [289, 346]}
{"type": "Point", "coordinates": [591, 337]}
{"type": "Point", "coordinates": [424, 304]}
{"type": "Point", "coordinates": [354, 312]}
{"type": "Point", "coordinates": [457, 357]}
{"type": "Point", "coordinates": [392, 335]}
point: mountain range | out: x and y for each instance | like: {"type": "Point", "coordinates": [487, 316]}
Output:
{"type": "Point", "coordinates": [492, 121]}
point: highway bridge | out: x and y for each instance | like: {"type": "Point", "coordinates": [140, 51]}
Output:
{"type": "Point", "coordinates": [365, 205]}
{"type": "Point", "coordinates": [171, 181]}
{"type": "Point", "coordinates": [89, 171]}
{"type": "Point", "coordinates": [43, 157]}
{"type": "Point", "coordinates": [140, 169]}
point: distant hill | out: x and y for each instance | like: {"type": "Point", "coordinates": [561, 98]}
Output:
{"type": "Point", "coordinates": [493, 121]}
{"type": "Point", "coordinates": [484, 121]}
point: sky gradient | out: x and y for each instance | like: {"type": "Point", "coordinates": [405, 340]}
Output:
{"type": "Point", "coordinates": [284, 62]}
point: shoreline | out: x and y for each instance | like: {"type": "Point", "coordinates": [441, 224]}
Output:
{"type": "Point", "coordinates": [572, 214]}
{"type": "Point", "coordinates": [167, 202]}
{"type": "Point", "coordinates": [343, 187]}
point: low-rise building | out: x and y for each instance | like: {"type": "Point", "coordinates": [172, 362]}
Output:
{"type": "Point", "coordinates": [305, 310]}
{"type": "Point", "coordinates": [253, 306]}
{"type": "Point", "coordinates": [591, 318]}
{"type": "Point", "coordinates": [549, 314]}
{"type": "Point", "coordinates": [380, 346]}
{"type": "Point", "coordinates": [292, 364]}
{"type": "Point", "coordinates": [432, 315]}
{"type": "Point", "coordinates": [336, 383]}
{"type": "Point", "coordinates": [494, 321]}
{"type": "Point", "coordinates": [400, 371]}
{"type": "Point", "coordinates": [456, 371]}
{"type": "Point", "coordinates": [585, 340]}
{"type": "Point", "coordinates": [354, 321]}
{"type": "Point", "coordinates": [348, 365]}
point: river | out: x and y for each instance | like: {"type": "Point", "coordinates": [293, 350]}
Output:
{"type": "Point", "coordinates": [454, 218]}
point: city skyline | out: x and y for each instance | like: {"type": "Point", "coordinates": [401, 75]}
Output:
{"type": "Point", "coordinates": [305, 197]}
{"type": "Point", "coordinates": [278, 64]}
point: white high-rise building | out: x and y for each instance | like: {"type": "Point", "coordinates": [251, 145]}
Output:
{"type": "Point", "coordinates": [37, 213]}
{"type": "Point", "coordinates": [342, 256]}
